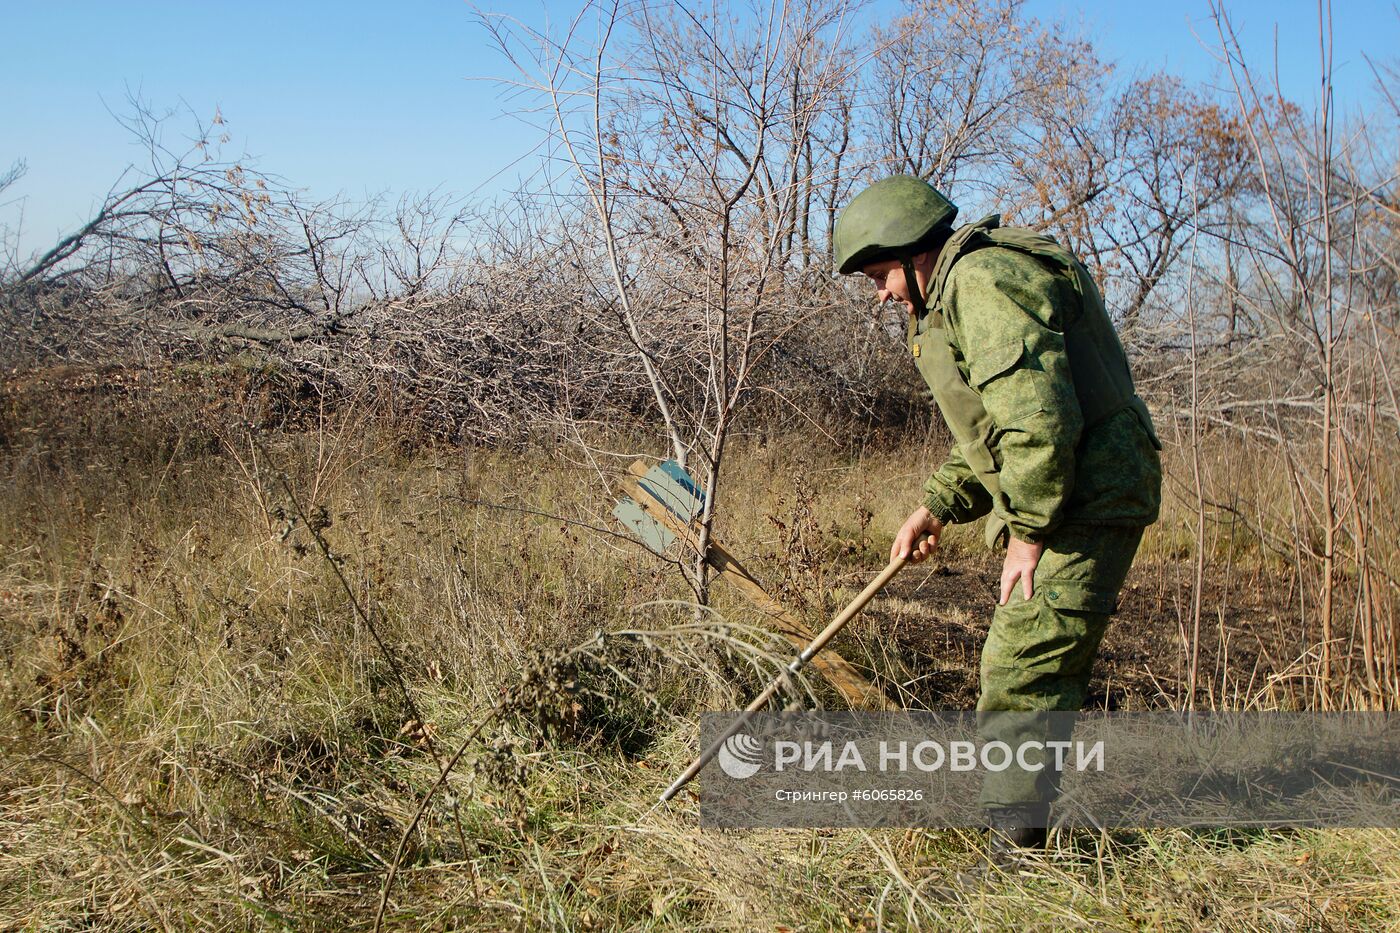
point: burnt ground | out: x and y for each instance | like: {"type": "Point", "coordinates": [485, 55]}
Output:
{"type": "Point", "coordinates": [1249, 641]}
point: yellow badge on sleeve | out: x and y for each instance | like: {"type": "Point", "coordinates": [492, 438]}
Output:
{"type": "Point", "coordinates": [915, 348]}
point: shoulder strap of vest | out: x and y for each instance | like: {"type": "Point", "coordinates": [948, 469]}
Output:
{"type": "Point", "coordinates": [965, 239]}
{"type": "Point", "coordinates": [989, 232]}
{"type": "Point", "coordinates": [1042, 247]}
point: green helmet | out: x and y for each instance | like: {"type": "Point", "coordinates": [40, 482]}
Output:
{"type": "Point", "coordinates": [894, 218]}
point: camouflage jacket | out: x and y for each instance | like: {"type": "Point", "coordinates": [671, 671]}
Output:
{"type": "Point", "coordinates": [1031, 379]}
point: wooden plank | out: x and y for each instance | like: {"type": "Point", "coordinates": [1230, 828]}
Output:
{"type": "Point", "coordinates": [676, 489]}
{"type": "Point", "coordinates": [840, 673]}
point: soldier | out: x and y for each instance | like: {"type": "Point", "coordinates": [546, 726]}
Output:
{"type": "Point", "coordinates": [1051, 443]}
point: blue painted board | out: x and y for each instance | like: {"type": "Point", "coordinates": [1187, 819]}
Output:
{"type": "Point", "coordinates": [676, 490]}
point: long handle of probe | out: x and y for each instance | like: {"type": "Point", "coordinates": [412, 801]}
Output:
{"type": "Point", "coordinates": [818, 643]}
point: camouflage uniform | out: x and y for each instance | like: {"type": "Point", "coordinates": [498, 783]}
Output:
{"type": "Point", "coordinates": [1052, 445]}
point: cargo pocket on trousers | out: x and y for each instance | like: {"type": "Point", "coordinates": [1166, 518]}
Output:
{"type": "Point", "coordinates": [1075, 594]}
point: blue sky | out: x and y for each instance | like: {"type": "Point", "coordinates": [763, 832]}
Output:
{"type": "Point", "coordinates": [366, 98]}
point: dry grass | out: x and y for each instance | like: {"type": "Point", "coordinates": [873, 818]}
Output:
{"type": "Point", "coordinates": [200, 731]}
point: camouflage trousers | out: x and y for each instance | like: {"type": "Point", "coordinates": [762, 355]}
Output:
{"type": "Point", "coordinates": [1040, 651]}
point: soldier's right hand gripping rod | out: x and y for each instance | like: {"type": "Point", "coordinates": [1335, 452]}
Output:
{"type": "Point", "coordinates": [818, 643]}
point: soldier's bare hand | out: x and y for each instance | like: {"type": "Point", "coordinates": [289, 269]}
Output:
{"type": "Point", "coordinates": [1020, 563]}
{"type": "Point", "coordinates": [918, 537]}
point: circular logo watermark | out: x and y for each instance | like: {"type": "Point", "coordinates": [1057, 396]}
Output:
{"type": "Point", "coordinates": [739, 756]}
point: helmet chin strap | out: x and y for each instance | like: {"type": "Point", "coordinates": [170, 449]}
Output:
{"type": "Point", "coordinates": [911, 281]}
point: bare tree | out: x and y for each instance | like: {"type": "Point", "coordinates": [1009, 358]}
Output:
{"type": "Point", "coordinates": [690, 137]}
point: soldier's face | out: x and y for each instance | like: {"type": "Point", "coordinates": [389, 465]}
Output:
{"type": "Point", "coordinates": [889, 279]}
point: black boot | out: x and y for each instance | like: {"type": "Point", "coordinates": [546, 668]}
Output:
{"type": "Point", "coordinates": [1014, 836]}
{"type": "Point", "coordinates": [1015, 831]}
